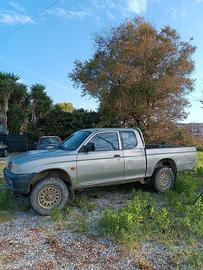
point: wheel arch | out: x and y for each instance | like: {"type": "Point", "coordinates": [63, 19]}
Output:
{"type": "Point", "coordinates": [167, 162]}
{"type": "Point", "coordinates": [52, 172]}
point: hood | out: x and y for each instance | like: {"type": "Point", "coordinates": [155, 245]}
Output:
{"type": "Point", "coordinates": [45, 155]}
{"type": "Point", "coordinates": [2, 145]}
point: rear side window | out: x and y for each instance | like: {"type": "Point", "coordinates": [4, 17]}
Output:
{"type": "Point", "coordinates": [105, 141]}
{"type": "Point", "coordinates": [128, 139]}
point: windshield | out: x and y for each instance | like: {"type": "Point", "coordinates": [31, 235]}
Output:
{"type": "Point", "coordinates": [50, 140]}
{"type": "Point", "coordinates": [75, 140]}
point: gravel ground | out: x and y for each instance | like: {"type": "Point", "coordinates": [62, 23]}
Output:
{"type": "Point", "coordinates": [30, 241]}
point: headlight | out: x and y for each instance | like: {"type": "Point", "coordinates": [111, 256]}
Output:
{"type": "Point", "coordinates": [10, 165]}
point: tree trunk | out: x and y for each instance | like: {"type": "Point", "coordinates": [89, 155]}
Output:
{"type": "Point", "coordinates": [33, 117]}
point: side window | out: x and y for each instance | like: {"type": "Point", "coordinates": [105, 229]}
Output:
{"type": "Point", "coordinates": [105, 141]}
{"type": "Point", "coordinates": [128, 139]}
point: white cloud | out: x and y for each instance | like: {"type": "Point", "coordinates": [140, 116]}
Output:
{"type": "Point", "coordinates": [137, 6]}
{"type": "Point", "coordinates": [68, 14]}
{"type": "Point", "coordinates": [16, 6]}
{"type": "Point", "coordinates": [14, 15]}
{"type": "Point", "coordinates": [110, 9]}
{"type": "Point", "coordinates": [11, 18]}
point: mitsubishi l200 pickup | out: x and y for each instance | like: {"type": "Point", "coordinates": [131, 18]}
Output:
{"type": "Point", "coordinates": [94, 157]}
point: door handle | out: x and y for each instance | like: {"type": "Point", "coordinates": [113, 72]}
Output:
{"type": "Point", "coordinates": [117, 156]}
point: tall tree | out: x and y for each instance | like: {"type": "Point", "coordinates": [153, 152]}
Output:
{"type": "Point", "coordinates": [139, 75]}
{"type": "Point", "coordinates": [40, 102]}
{"type": "Point", "coordinates": [18, 109]}
{"type": "Point", "coordinates": [8, 83]}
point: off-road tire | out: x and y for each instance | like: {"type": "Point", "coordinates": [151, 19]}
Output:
{"type": "Point", "coordinates": [163, 179]}
{"type": "Point", "coordinates": [50, 192]}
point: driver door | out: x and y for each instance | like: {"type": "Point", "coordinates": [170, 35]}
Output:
{"type": "Point", "coordinates": [103, 165]}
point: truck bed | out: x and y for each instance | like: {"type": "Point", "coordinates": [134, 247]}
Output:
{"type": "Point", "coordinates": [183, 157]}
{"type": "Point", "coordinates": [152, 146]}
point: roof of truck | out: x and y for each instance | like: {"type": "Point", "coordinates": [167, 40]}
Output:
{"type": "Point", "coordinates": [107, 129]}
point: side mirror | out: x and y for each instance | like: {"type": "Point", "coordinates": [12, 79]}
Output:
{"type": "Point", "coordinates": [89, 147]}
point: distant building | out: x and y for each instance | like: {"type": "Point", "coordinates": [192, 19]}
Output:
{"type": "Point", "coordinates": [196, 129]}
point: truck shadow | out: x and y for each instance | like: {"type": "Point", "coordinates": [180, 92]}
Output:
{"type": "Point", "coordinates": [127, 188]}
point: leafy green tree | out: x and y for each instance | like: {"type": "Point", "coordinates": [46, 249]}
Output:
{"type": "Point", "coordinates": [8, 83]}
{"type": "Point", "coordinates": [19, 105]}
{"type": "Point", "coordinates": [58, 122]}
{"type": "Point", "coordinates": [65, 106]}
{"type": "Point", "coordinates": [139, 75]}
{"type": "Point", "coordinates": [41, 103]}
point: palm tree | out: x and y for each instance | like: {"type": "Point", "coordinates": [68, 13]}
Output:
{"type": "Point", "coordinates": [8, 82]}
{"type": "Point", "coordinates": [40, 102]}
{"type": "Point", "coordinates": [19, 105]}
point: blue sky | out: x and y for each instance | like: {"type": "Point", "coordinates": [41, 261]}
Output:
{"type": "Point", "coordinates": [44, 50]}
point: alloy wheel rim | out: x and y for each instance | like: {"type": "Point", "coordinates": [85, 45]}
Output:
{"type": "Point", "coordinates": [165, 180]}
{"type": "Point", "coordinates": [49, 197]}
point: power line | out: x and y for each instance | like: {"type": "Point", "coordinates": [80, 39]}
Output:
{"type": "Point", "coordinates": [27, 22]}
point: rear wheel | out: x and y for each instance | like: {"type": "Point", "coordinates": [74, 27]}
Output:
{"type": "Point", "coordinates": [49, 193]}
{"type": "Point", "coordinates": [163, 179]}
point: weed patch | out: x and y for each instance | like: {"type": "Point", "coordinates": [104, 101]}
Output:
{"type": "Point", "coordinates": [83, 203]}
{"type": "Point", "coordinates": [6, 205]}
{"type": "Point", "coordinates": [2, 166]}
{"type": "Point", "coordinates": [56, 215]}
{"type": "Point", "coordinates": [79, 224]}
{"type": "Point", "coordinates": [5, 199]}
{"type": "Point", "coordinates": [169, 219]}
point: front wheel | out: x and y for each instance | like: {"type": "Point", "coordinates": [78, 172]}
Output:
{"type": "Point", "coordinates": [49, 193]}
{"type": "Point", "coordinates": [163, 179]}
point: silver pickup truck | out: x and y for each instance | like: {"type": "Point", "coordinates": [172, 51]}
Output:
{"type": "Point", "coordinates": [94, 157]}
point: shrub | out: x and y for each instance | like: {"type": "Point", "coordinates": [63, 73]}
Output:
{"type": "Point", "coordinates": [5, 199]}
{"type": "Point", "coordinates": [145, 218]}
{"type": "Point", "coordinates": [83, 203]}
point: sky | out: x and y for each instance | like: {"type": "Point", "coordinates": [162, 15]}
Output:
{"type": "Point", "coordinates": [45, 48]}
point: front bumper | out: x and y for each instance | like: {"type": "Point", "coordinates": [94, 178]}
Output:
{"type": "Point", "coordinates": [18, 183]}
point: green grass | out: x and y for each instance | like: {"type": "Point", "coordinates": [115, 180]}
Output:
{"type": "Point", "coordinates": [168, 219]}
{"type": "Point", "coordinates": [6, 198]}
{"type": "Point", "coordinates": [6, 205]}
{"type": "Point", "coordinates": [79, 224]}
{"type": "Point", "coordinates": [200, 159]}
{"type": "Point", "coordinates": [84, 204]}
{"type": "Point", "coordinates": [56, 215]}
{"type": "Point", "coordinates": [2, 166]}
